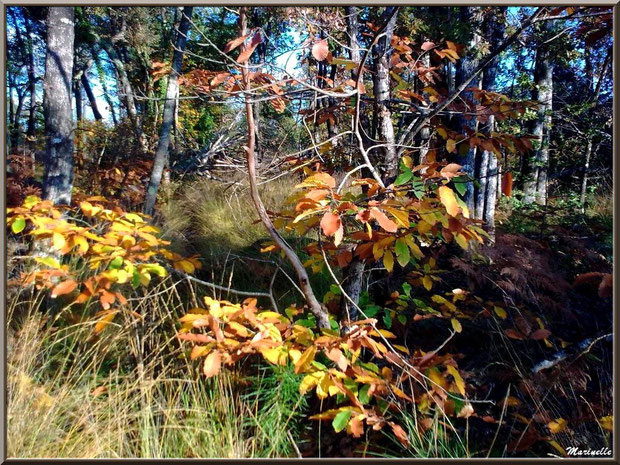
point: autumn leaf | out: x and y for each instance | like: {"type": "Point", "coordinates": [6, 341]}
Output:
{"type": "Point", "coordinates": [320, 50]}
{"type": "Point", "coordinates": [557, 426]}
{"type": "Point", "coordinates": [234, 43]}
{"type": "Point", "coordinates": [540, 334]}
{"type": "Point", "coordinates": [330, 223]}
{"type": "Point", "coordinates": [400, 433]}
{"type": "Point", "coordinates": [212, 364]}
{"type": "Point", "coordinates": [607, 423]}
{"type": "Point", "coordinates": [306, 358]}
{"type": "Point", "coordinates": [357, 427]}
{"type": "Point", "coordinates": [18, 225]}
{"type": "Point", "coordinates": [427, 46]}
{"type": "Point", "coordinates": [103, 322]}
{"type": "Point", "coordinates": [64, 287]}
{"type": "Point", "coordinates": [341, 420]}
{"type": "Point", "coordinates": [383, 220]}
{"type": "Point", "coordinates": [447, 197]}
{"type": "Point", "coordinates": [249, 49]}
{"type": "Point", "coordinates": [451, 145]}
{"type": "Point", "coordinates": [507, 184]}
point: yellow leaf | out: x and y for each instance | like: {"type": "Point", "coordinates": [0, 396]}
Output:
{"type": "Point", "coordinates": [407, 161]}
{"type": "Point", "coordinates": [557, 426]}
{"type": "Point", "coordinates": [309, 381]}
{"type": "Point", "coordinates": [277, 355]}
{"type": "Point", "coordinates": [460, 384]}
{"type": "Point", "coordinates": [388, 261]}
{"type": "Point", "coordinates": [105, 321]}
{"type": "Point", "coordinates": [500, 312]}
{"type": "Point", "coordinates": [81, 243]}
{"type": "Point", "coordinates": [557, 447]}
{"type": "Point", "coordinates": [462, 241]}
{"type": "Point", "coordinates": [446, 195]}
{"type": "Point", "coordinates": [607, 423]}
{"type": "Point", "coordinates": [451, 145]}
{"type": "Point", "coordinates": [427, 282]}
{"type": "Point", "coordinates": [456, 324]}
{"type": "Point", "coordinates": [437, 378]}
{"type": "Point", "coordinates": [58, 240]}
{"type": "Point", "coordinates": [305, 360]}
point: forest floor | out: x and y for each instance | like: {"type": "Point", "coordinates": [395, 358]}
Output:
{"type": "Point", "coordinates": [133, 393]}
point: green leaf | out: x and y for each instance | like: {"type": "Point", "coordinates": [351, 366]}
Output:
{"type": "Point", "coordinates": [372, 310]}
{"type": "Point", "coordinates": [116, 263]}
{"type": "Point", "coordinates": [402, 252]}
{"type": "Point", "coordinates": [404, 177]}
{"type": "Point", "coordinates": [157, 269]}
{"type": "Point", "coordinates": [334, 289]}
{"type": "Point", "coordinates": [18, 225]}
{"type": "Point", "coordinates": [460, 184]}
{"type": "Point", "coordinates": [363, 395]}
{"type": "Point", "coordinates": [387, 320]}
{"type": "Point", "coordinates": [407, 289]}
{"type": "Point", "coordinates": [135, 279]}
{"type": "Point", "coordinates": [402, 318]}
{"type": "Point", "coordinates": [341, 420]}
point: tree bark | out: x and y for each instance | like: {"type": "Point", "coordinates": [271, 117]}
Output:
{"type": "Point", "coordinates": [465, 68]}
{"type": "Point", "coordinates": [91, 97]}
{"type": "Point", "coordinates": [163, 144]}
{"type": "Point", "coordinates": [32, 80]}
{"type": "Point", "coordinates": [58, 176]}
{"type": "Point", "coordinates": [304, 281]}
{"type": "Point", "coordinates": [535, 182]}
{"type": "Point", "coordinates": [385, 126]}
{"type": "Point", "coordinates": [486, 198]}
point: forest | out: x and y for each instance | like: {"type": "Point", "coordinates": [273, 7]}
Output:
{"type": "Point", "coordinates": [309, 232]}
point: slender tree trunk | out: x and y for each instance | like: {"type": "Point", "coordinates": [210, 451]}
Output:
{"type": "Point", "coordinates": [163, 144]}
{"type": "Point", "coordinates": [489, 174]}
{"type": "Point", "coordinates": [104, 87]}
{"type": "Point", "coordinates": [91, 97]}
{"type": "Point", "coordinates": [32, 88]}
{"type": "Point", "coordinates": [384, 125]}
{"type": "Point", "coordinates": [353, 274]}
{"type": "Point", "coordinates": [584, 179]}
{"type": "Point", "coordinates": [465, 68]}
{"type": "Point", "coordinates": [58, 177]}
{"type": "Point", "coordinates": [536, 165]}
{"type": "Point", "coordinates": [304, 281]}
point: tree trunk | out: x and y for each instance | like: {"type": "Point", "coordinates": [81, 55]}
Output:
{"type": "Point", "coordinates": [32, 80]}
{"type": "Point", "coordinates": [535, 182]}
{"type": "Point", "coordinates": [304, 281]}
{"type": "Point", "coordinates": [354, 272]}
{"type": "Point", "coordinates": [104, 87]}
{"type": "Point", "coordinates": [163, 144]}
{"type": "Point", "coordinates": [385, 126]}
{"type": "Point", "coordinates": [489, 173]}
{"type": "Point", "coordinates": [91, 97]}
{"type": "Point", "coordinates": [465, 68]}
{"type": "Point", "coordinates": [58, 176]}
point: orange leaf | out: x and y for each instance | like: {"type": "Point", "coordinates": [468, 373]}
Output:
{"type": "Point", "coordinates": [507, 184]}
{"type": "Point", "coordinates": [330, 223]}
{"type": "Point", "coordinates": [233, 44]}
{"type": "Point", "coordinates": [383, 220]}
{"type": "Point", "coordinates": [320, 50]}
{"type": "Point", "coordinates": [357, 427]}
{"type": "Point", "coordinates": [400, 433]}
{"type": "Point", "coordinates": [446, 195]}
{"type": "Point", "coordinates": [249, 49]}
{"type": "Point", "coordinates": [427, 46]}
{"type": "Point", "coordinates": [105, 321]}
{"type": "Point", "coordinates": [63, 288]}
{"type": "Point", "coordinates": [213, 364]}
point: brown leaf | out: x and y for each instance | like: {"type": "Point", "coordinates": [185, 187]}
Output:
{"type": "Point", "coordinates": [64, 287]}
{"type": "Point", "coordinates": [400, 433]}
{"type": "Point", "coordinates": [540, 334]}
{"type": "Point", "coordinates": [336, 356]}
{"type": "Point", "coordinates": [249, 49]}
{"type": "Point", "coordinates": [507, 184]}
{"type": "Point", "coordinates": [234, 43]}
{"type": "Point", "coordinates": [320, 50]}
{"type": "Point", "coordinates": [213, 364]}
{"type": "Point", "coordinates": [357, 427]}
{"type": "Point", "coordinates": [514, 334]}
{"type": "Point", "coordinates": [605, 289]}
{"type": "Point", "coordinates": [427, 46]}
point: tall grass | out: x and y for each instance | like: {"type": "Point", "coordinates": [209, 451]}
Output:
{"type": "Point", "coordinates": [131, 392]}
